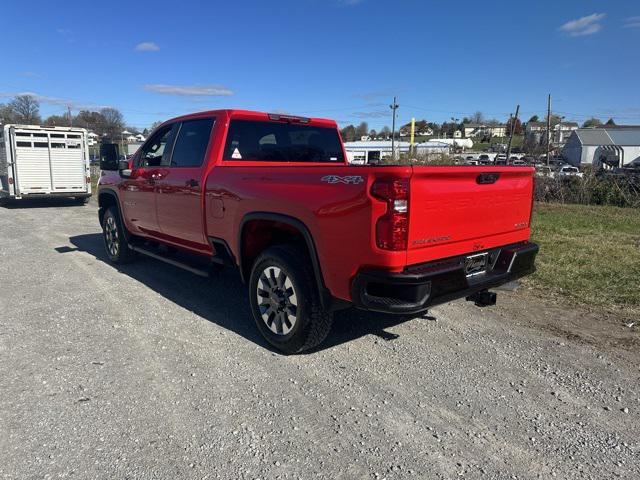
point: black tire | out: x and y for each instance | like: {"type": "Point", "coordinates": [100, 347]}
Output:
{"type": "Point", "coordinates": [308, 324]}
{"type": "Point", "coordinates": [82, 200]}
{"type": "Point", "coordinates": [115, 242]}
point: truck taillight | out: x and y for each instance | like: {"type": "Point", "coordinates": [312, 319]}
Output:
{"type": "Point", "coordinates": [392, 229]}
{"type": "Point", "coordinates": [10, 181]}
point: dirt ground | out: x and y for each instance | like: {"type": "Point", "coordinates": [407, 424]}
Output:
{"type": "Point", "coordinates": [146, 371]}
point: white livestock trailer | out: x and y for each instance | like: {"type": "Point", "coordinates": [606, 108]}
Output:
{"type": "Point", "coordinates": [44, 162]}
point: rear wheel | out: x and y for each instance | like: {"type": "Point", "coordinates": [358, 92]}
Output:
{"type": "Point", "coordinates": [285, 302]}
{"type": "Point", "coordinates": [115, 242]}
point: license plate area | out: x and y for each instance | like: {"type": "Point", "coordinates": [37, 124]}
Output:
{"type": "Point", "coordinates": [476, 264]}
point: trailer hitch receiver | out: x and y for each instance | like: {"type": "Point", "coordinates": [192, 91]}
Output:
{"type": "Point", "coordinates": [483, 298]}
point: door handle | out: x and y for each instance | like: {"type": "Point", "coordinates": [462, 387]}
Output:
{"type": "Point", "coordinates": [192, 183]}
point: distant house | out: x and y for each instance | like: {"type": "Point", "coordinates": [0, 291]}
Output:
{"type": "Point", "coordinates": [131, 139]}
{"type": "Point", "coordinates": [613, 146]}
{"type": "Point", "coordinates": [406, 132]}
{"type": "Point", "coordinates": [562, 131]}
{"type": "Point", "coordinates": [484, 130]}
{"type": "Point", "coordinates": [140, 138]}
{"type": "Point", "coordinates": [92, 139]}
{"type": "Point", "coordinates": [536, 127]}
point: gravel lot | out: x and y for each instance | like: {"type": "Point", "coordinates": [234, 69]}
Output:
{"type": "Point", "coordinates": [146, 371]}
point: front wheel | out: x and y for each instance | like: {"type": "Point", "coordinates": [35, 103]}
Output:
{"type": "Point", "coordinates": [115, 242]}
{"type": "Point", "coordinates": [285, 302]}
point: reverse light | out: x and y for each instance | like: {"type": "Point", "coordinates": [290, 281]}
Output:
{"type": "Point", "coordinates": [392, 229]}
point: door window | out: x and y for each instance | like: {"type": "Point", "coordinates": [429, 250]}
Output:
{"type": "Point", "coordinates": [191, 143]}
{"type": "Point", "coordinates": [157, 148]}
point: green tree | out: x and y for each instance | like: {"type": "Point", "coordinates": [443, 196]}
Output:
{"type": "Point", "coordinates": [592, 122]}
{"type": "Point", "coordinates": [362, 130]}
{"type": "Point", "coordinates": [348, 133]}
{"type": "Point", "coordinates": [610, 123]}
{"type": "Point", "coordinates": [534, 118]}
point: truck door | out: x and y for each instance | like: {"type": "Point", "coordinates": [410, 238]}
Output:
{"type": "Point", "coordinates": [179, 188]}
{"type": "Point", "coordinates": [138, 191]}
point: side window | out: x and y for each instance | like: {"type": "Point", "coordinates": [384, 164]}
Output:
{"type": "Point", "coordinates": [158, 146]}
{"type": "Point", "coordinates": [191, 143]}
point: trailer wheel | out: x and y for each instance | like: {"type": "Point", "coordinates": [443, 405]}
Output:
{"type": "Point", "coordinates": [82, 200]}
{"type": "Point", "coordinates": [115, 243]}
{"type": "Point", "coordinates": [285, 302]}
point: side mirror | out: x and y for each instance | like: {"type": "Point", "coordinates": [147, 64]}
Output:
{"type": "Point", "coordinates": [123, 167]}
{"type": "Point", "coordinates": [109, 156]}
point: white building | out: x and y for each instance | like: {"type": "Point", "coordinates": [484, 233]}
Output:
{"type": "Point", "coordinates": [484, 130]}
{"type": "Point", "coordinates": [617, 146]}
{"type": "Point", "coordinates": [92, 139]}
{"type": "Point", "coordinates": [374, 151]}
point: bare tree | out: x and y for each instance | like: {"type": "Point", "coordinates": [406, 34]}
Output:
{"type": "Point", "coordinates": [113, 122]}
{"type": "Point", "coordinates": [477, 117]}
{"type": "Point", "coordinates": [26, 109]}
{"type": "Point", "coordinates": [6, 114]}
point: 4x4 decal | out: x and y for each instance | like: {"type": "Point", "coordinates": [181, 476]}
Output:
{"type": "Point", "coordinates": [348, 180]}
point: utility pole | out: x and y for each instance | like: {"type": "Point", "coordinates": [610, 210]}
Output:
{"type": "Point", "coordinates": [394, 106]}
{"type": "Point", "coordinates": [548, 128]}
{"type": "Point", "coordinates": [513, 121]}
{"type": "Point", "coordinates": [70, 117]}
{"type": "Point", "coordinates": [453, 134]}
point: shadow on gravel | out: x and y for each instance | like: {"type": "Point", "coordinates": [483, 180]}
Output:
{"type": "Point", "coordinates": [223, 298]}
{"type": "Point", "coordinates": [41, 203]}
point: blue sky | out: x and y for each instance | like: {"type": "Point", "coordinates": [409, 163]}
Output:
{"type": "Point", "coordinates": [342, 59]}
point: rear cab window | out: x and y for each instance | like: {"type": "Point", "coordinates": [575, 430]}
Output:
{"type": "Point", "coordinates": [274, 141]}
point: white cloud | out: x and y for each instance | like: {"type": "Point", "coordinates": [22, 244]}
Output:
{"type": "Point", "coordinates": [631, 22]}
{"type": "Point", "coordinates": [587, 25]}
{"type": "Point", "coordinates": [373, 114]}
{"type": "Point", "coordinates": [147, 47]}
{"type": "Point", "coordinates": [190, 90]}
{"type": "Point", "coordinates": [55, 101]}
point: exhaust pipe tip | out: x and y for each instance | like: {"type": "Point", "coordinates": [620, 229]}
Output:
{"type": "Point", "coordinates": [483, 298]}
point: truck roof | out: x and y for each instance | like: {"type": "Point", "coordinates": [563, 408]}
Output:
{"type": "Point", "coordinates": [254, 115]}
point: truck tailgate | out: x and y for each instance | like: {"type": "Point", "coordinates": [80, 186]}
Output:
{"type": "Point", "coordinates": [458, 210]}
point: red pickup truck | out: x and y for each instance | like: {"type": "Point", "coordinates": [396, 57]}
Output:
{"type": "Point", "coordinates": [274, 196]}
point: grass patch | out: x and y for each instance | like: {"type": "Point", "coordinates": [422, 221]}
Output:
{"type": "Point", "coordinates": [589, 254]}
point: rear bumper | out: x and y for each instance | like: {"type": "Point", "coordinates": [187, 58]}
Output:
{"type": "Point", "coordinates": [421, 286]}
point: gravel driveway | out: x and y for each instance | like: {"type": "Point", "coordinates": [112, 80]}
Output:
{"type": "Point", "coordinates": [146, 371]}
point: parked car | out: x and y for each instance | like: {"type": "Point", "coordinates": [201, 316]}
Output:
{"type": "Point", "coordinates": [544, 171]}
{"type": "Point", "coordinates": [519, 163]}
{"type": "Point", "coordinates": [501, 159]}
{"type": "Point", "coordinates": [484, 159]}
{"type": "Point", "coordinates": [569, 171]}
{"type": "Point", "coordinates": [273, 196]}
